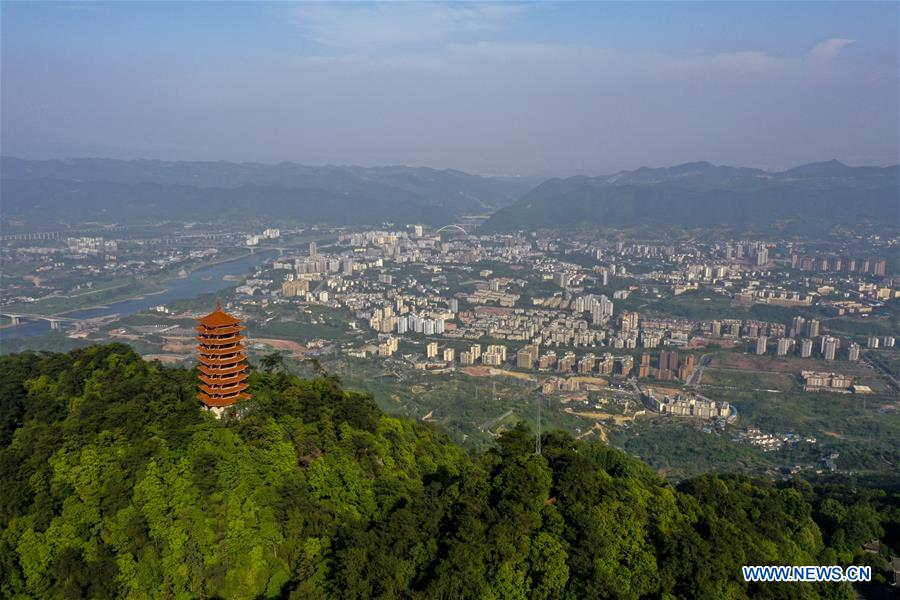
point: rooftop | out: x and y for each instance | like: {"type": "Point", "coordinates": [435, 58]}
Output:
{"type": "Point", "coordinates": [219, 318]}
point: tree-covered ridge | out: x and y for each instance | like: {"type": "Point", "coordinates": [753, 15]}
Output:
{"type": "Point", "coordinates": [110, 190]}
{"type": "Point", "coordinates": [812, 197]}
{"type": "Point", "coordinates": [116, 484]}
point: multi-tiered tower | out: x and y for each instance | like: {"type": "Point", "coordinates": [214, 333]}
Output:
{"type": "Point", "coordinates": [222, 361]}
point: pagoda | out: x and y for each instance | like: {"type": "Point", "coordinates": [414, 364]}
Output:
{"type": "Point", "coordinates": [222, 361]}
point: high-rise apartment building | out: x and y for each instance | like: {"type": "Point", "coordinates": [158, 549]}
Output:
{"type": "Point", "coordinates": [806, 348]}
{"type": "Point", "coordinates": [547, 360]}
{"type": "Point", "coordinates": [294, 287]}
{"type": "Point", "coordinates": [628, 321]}
{"type": "Point", "coordinates": [644, 369]}
{"type": "Point", "coordinates": [784, 346]}
{"type": "Point", "coordinates": [566, 363]}
{"type": "Point", "coordinates": [669, 362]}
{"type": "Point", "coordinates": [587, 363]}
{"type": "Point", "coordinates": [526, 357]}
{"type": "Point", "coordinates": [687, 367]}
{"type": "Point", "coordinates": [797, 326]}
{"type": "Point", "coordinates": [498, 349]}
{"type": "Point", "coordinates": [812, 328]}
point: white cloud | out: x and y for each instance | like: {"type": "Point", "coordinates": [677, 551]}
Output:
{"type": "Point", "coordinates": [828, 50]}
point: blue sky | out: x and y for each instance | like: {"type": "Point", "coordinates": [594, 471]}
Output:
{"type": "Point", "coordinates": [534, 88]}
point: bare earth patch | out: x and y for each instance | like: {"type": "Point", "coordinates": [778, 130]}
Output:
{"type": "Point", "coordinates": [295, 348]}
{"type": "Point", "coordinates": [492, 372]}
{"type": "Point", "coordinates": [174, 344]}
{"type": "Point", "coordinates": [701, 342]}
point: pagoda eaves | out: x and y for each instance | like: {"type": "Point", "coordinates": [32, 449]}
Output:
{"type": "Point", "coordinates": [222, 361]}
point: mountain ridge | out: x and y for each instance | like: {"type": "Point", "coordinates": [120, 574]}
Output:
{"type": "Point", "coordinates": [702, 194]}
{"type": "Point", "coordinates": [692, 193]}
{"type": "Point", "coordinates": [108, 188]}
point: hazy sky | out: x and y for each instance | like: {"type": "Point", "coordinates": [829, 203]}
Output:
{"type": "Point", "coordinates": [489, 88]}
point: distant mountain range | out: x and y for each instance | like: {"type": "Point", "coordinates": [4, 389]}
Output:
{"type": "Point", "coordinates": [118, 190]}
{"type": "Point", "coordinates": [702, 194]}
{"type": "Point", "coordinates": [692, 194]}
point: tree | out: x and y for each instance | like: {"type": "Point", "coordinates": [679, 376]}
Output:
{"type": "Point", "coordinates": [272, 362]}
{"type": "Point", "coordinates": [116, 484]}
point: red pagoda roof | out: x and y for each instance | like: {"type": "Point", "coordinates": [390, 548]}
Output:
{"type": "Point", "coordinates": [228, 370]}
{"type": "Point", "coordinates": [225, 330]}
{"type": "Point", "coordinates": [215, 362]}
{"type": "Point", "coordinates": [219, 318]}
{"type": "Point", "coordinates": [214, 391]}
{"type": "Point", "coordinates": [210, 341]}
{"type": "Point", "coordinates": [221, 382]}
{"type": "Point", "coordinates": [218, 402]}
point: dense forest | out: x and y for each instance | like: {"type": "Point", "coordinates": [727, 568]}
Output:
{"type": "Point", "coordinates": [116, 484]}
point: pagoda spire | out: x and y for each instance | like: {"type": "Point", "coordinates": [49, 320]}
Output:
{"type": "Point", "coordinates": [222, 361]}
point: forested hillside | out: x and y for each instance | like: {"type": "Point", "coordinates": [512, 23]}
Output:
{"type": "Point", "coordinates": [140, 190]}
{"type": "Point", "coordinates": [116, 484]}
{"type": "Point", "coordinates": [809, 197]}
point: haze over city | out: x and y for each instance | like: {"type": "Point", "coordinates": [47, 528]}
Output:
{"type": "Point", "coordinates": [490, 88]}
{"type": "Point", "coordinates": [450, 300]}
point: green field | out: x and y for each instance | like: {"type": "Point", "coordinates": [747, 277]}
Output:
{"type": "Point", "coordinates": [863, 326]}
{"type": "Point", "coordinates": [463, 406]}
{"type": "Point", "coordinates": [314, 322]}
{"type": "Point", "coordinates": [854, 425]}
{"type": "Point", "coordinates": [104, 293]}
{"type": "Point", "coordinates": [107, 291]}
{"type": "Point", "coordinates": [888, 359]}
{"type": "Point", "coordinates": [692, 305]}
{"type": "Point", "coordinates": [866, 437]}
{"type": "Point", "coordinates": [705, 305]}
{"type": "Point", "coordinates": [678, 448]}
{"type": "Point", "coordinates": [731, 378]}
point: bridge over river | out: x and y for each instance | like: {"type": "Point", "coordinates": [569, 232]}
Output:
{"type": "Point", "coordinates": [55, 321]}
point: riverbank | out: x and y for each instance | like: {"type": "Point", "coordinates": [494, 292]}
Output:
{"type": "Point", "coordinates": [206, 279]}
{"type": "Point", "coordinates": [137, 290]}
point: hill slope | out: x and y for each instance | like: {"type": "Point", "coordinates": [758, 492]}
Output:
{"type": "Point", "coordinates": [120, 190]}
{"type": "Point", "coordinates": [116, 484]}
{"type": "Point", "coordinates": [704, 195]}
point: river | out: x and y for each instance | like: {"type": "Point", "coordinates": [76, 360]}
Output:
{"type": "Point", "coordinates": [205, 280]}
